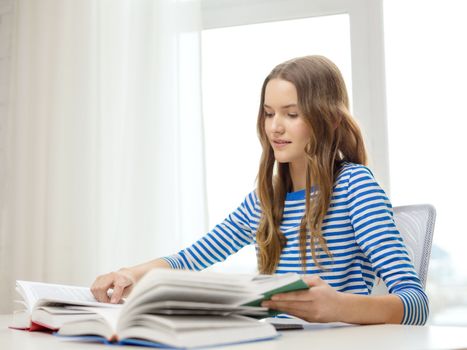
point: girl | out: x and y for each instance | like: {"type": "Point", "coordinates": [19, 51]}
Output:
{"type": "Point", "coordinates": [317, 210]}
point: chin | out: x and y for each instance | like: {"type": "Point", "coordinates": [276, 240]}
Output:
{"type": "Point", "coordinates": [282, 159]}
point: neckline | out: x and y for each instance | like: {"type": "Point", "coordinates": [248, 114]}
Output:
{"type": "Point", "coordinates": [300, 194]}
{"type": "Point", "coordinates": [291, 196]}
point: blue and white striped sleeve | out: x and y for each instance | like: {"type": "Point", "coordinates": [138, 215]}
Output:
{"type": "Point", "coordinates": [376, 233]}
{"type": "Point", "coordinates": [224, 240]}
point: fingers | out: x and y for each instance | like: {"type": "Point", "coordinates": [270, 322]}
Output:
{"type": "Point", "coordinates": [303, 295]}
{"type": "Point", "coordinates": [313, 280]}
{"type": "Point", "coordinates": [100, 287]}
{"type": "Point", "coordinates": [289, 307]}
{"type": "Point", "coordinates": [317, 304]}
{"type": "Point", "coordinates": [120, 286]}
{"type": "Point", "coordinates": [120, 281]}
{"type": "Point", "coordinates": [282, 305]}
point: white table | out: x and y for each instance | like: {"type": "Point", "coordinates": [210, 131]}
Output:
{"type": "Point", "coordinates": [379, 337]}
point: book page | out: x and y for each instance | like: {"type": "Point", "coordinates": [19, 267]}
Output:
{"type": "Point", "coordinates": [164, 292]}
{"type": "Point", "coordinates": [198, 279]}
{"type": "Point", "coordinates": [32, 292]}
{"type": "Point", "coordinates": [109, 315]}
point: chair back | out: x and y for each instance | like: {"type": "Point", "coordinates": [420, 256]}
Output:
{"type": "Point", "coordinates": [416, 225]}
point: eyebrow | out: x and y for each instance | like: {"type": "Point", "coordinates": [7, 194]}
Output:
{"type": "Point", "coordinates": [283, 107]}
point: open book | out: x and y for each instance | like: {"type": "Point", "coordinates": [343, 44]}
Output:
{"type": "Point", "coordinates": [187, 309]}
{"type": "Point", "coordinates": [179, 308]}
{"type": "Point", "coordinates": [46, 306]}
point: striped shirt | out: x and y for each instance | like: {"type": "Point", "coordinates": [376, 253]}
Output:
{"type": "Point", "coordinates": [359, 230]}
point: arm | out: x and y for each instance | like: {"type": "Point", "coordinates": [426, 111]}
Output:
{"type": "Point", "coordinates": [322, 303]}
{"type": "Point", "coordinates": [375, 232]}
{"type": "Point", "coordinates": [225, 239]}
{"type": "Point", "coordinates": [372, 309]}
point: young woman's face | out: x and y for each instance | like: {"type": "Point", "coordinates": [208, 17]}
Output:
{"type": "Point", "coordinates": [285, 127]}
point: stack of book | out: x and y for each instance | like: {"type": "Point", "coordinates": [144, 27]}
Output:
{"type": "Point", "coordinates": [174, 308]}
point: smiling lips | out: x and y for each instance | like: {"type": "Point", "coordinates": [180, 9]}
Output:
{"type": "Point", "coordinates": [280, 143]}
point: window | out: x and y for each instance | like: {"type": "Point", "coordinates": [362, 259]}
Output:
{"type": "Point", "coordinates": [235, 61]}
{"type": "Point", "coordinates": [241, 43]}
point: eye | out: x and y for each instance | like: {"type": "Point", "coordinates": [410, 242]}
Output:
{"type": "Point", "coordinates": [268, 114]}
{"type": "Point", "coordinates": [293, 115]}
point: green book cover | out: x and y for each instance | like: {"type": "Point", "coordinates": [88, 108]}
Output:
{"type": "Point", "coordinates": [297, 285]}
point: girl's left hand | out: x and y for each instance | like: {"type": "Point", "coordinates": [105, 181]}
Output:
{"type": "Point", "coordinates": [320, 303]}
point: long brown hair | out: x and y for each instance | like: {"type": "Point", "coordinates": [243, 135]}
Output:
{"type": "Point", "coordinates": [334, 138]}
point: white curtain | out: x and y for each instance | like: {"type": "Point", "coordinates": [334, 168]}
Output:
{"type": "Point", "coordinates": [104, 152]}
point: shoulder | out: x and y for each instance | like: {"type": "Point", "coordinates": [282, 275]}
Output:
{"type": "Point", "coordinates": [356, 182]}
{"type": "Point", "coordinates": [251, 201]}
{"type": "Point", "coordinates": [352, 173]}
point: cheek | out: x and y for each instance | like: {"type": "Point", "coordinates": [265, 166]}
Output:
{"type": "Point", "coordinates": [306, 137]}
{"type": "Point", "coordinates": [303, 133]}
{"type": "Point", "coordinates": [267, 125]}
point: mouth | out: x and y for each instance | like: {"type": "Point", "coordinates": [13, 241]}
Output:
{"type": "Point", "coordinates": [280, 143]}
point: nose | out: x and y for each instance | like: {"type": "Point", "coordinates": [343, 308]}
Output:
{"type": "Point", "coordinates": [277, 126]}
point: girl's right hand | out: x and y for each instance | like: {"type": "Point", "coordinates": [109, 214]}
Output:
{"type": "Point", "coordinates": [121, 281]}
